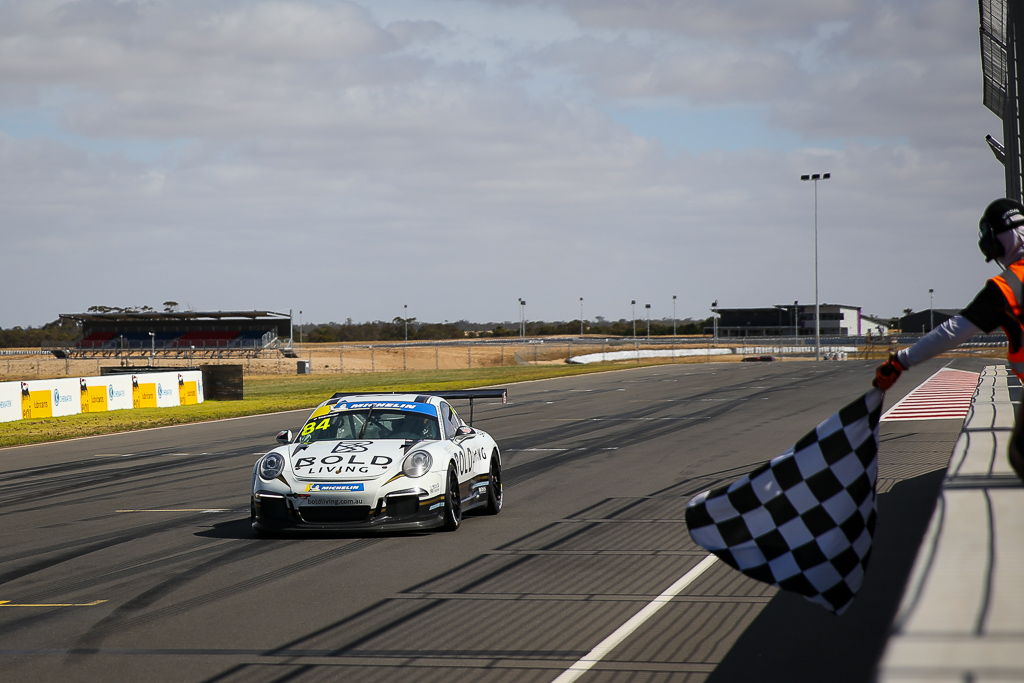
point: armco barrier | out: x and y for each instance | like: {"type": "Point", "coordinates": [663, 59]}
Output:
{"type": "Point", "coordinates": [70, 396]}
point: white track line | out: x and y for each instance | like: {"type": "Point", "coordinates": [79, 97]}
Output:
{"type": "Point", "coordinates": [602, 649]}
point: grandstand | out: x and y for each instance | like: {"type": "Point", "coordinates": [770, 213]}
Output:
{"type": "Point", "coordinates": [189, 334]}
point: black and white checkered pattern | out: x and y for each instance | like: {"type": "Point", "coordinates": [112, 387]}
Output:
{"type": "Point", "coordinates": [804, 520]}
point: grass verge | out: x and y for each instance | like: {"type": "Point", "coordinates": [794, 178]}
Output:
{"type": "Point", "coordinates": [275, 393]}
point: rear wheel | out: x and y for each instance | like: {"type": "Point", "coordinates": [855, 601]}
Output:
{"type": "Point", "coordinates": [495, 495]}
{"type": "Point", "coordinates": [452, 502]}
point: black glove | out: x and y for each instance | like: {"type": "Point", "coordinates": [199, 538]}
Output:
{"type": "Point", "coordinates": [887, 373]}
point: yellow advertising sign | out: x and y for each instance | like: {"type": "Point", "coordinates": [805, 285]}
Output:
{"type": "Point", "coordinates": [188, 393]}
{"type": "Point", "coordinates": [36, 404]}
{"type": "Point", "coordinates": [144, 395]}
{"type": "Point", "coordinates": [94, 399]}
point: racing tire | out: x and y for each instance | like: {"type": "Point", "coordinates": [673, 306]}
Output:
{"type": "Point", "coordinates": [257, 530]}
{"type": "Point", "coordinates": [452, 514]}
{"type": "Point", "coordinates": [495, 494]}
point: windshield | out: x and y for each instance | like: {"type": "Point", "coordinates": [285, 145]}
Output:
{"type": "Point", "coordinates": [370, 423]}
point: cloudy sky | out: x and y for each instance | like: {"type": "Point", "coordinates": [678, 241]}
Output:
{"type": "Point", "coordinates": [349, 158]}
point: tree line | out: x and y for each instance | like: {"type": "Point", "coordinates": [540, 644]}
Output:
{"type": "Point", "coordinates": [64, 332]}
{"type": "Point", "coordinates": [409, 328]}
{"type": "Point", "coordinates": [56, 333]}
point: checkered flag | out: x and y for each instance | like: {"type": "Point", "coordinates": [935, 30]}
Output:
{"type": "Point", "coordinates": [804, 520]}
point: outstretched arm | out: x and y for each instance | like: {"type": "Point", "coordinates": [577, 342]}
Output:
{"type": "Point", "coordinates": [946, 336]}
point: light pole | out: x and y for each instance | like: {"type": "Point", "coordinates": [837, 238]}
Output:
{"type": "Point", "coordinates": [581, 317]}
{"type": "Point", "coordinates": [673, 315]}
{"type": "Point", "coordinates": [931, 309]}
{"type": "Point", "coordinates": [648, 307]}
{"type": "Point", "coordinates": [152, 347]}
{"type": "Point", "coordinates": [796, 320]}
{"type": "Point", "coordinates": [633, 304]}
{"type": "Point", "coordinates": [522, 317]}
{"type": "Point", "coordinates": [405, 319]}
{"type": "Point", "coordinates": [817, 309]}
{"type": "Point", "coordinates": [714, 319]}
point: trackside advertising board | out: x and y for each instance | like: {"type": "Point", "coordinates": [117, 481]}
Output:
{"type": "Point", "coordinates": [70, 396]}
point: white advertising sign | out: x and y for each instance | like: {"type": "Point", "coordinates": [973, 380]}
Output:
{"type": "Point", "coordinates": [167, 389]}
{"type": "Point", "coordinates": [67, 396]}
{"type": "Point", "coordinates": [10, 401]}
{"type": "Point", "coordinates": [118, 389]}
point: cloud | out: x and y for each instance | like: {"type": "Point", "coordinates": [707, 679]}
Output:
{"type": "Point", "coordinates": [736, 21]}
{"type": "Point", "coordinates": [325, 156]}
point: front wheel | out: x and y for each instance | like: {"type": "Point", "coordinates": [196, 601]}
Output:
{"type": "Point", "coordinates": [495, 494]}
{"type": "Point", "coordinates": [452, 502]}
{"type": "Point", "coordinates": [257, 530]}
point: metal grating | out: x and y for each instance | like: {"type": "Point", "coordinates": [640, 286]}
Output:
{"type": "Point", "coordinates": [993, 54]}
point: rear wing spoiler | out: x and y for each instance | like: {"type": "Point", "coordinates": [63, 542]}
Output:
{"type": "Point", "coordinates": [449, 395]}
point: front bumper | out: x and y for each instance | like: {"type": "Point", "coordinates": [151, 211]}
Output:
{"type": "Point", "coordinates": [279, 512]}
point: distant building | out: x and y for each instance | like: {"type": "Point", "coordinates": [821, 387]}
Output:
{"type": "Point", "coordinates": [876, 327]}
{"type": "Point", "coordinates": [837, 320]}
{"type": "Point", "coordinates": [922, 321]}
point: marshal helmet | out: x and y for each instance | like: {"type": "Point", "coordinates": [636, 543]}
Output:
{"type": "Point", "coordinates": [1000, 216]}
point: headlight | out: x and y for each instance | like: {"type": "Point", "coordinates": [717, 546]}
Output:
{"type": "Point", "coordinates": [417, 464]}
{"type": "Point", "coordinates": [271, 465]}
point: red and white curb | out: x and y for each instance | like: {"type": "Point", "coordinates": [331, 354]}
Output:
{"type": "Point", "coordinates": [946, 395]}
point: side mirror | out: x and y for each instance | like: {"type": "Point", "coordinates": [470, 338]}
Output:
{"type": "Point", "coordinates": [284, 436]}
{"type": "Point", "coordinates": [465, 430]}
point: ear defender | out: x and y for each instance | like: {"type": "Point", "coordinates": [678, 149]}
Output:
{"type": "Point", "coordinates": [989, 244]}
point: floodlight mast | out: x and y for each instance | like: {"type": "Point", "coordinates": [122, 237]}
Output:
{"type": "Point", "coordinates": [815, 177]}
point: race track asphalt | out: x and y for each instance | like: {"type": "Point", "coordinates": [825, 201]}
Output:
{"type": "Point", "coordinates": [129, 557]}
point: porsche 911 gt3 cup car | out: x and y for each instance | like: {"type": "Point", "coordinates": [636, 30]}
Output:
{"type": "Point", "coordinates": [379, 461]}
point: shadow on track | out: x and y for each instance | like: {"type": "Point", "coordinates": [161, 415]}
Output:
{"type": "Point", "coordinates": [795, 641]}
{"type": "Point", "coordinates": [241, 529]}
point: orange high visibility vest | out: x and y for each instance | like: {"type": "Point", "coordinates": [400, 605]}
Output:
{"type": "Point", "coordinates": [1011, 284]}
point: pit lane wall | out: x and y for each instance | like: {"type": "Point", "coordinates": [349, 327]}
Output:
{"type": "Point", "coordinates": [59, 397]}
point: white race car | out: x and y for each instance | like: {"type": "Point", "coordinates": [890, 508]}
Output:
{"type": "Point", "coordinates": [379, 461]}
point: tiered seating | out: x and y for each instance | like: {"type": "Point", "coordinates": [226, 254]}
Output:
{"type": "Point", "coordinates": [96, 340]}
{"type": "Point", "coordinates": [255, 337]}
{"type": "Point", "coordinates": [138, 340]}
{"type": "Point", "coordinates": [206, 338]}
{"type": "Point", "coordinates": [177, 339]}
